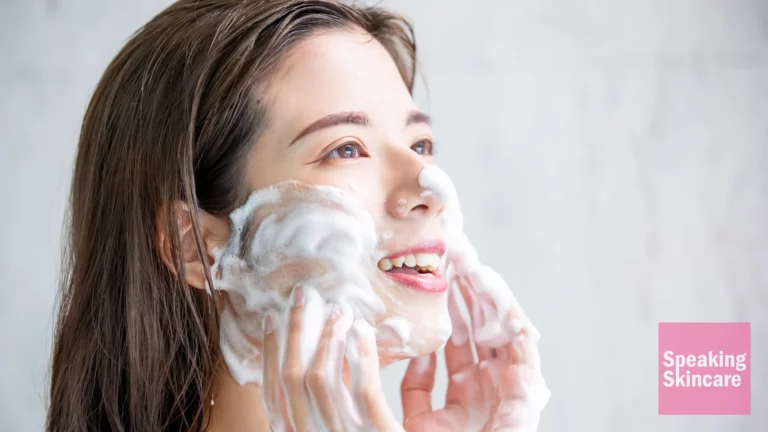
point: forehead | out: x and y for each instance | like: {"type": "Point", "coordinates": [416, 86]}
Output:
{"type": "Point", "coordinates": [334, 72]}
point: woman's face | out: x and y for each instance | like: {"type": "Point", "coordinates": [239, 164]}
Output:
{"type": "Point", "coordinates": [340, 115]}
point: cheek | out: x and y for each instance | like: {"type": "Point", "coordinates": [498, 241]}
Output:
{"type": "Point", "coordinates": [361, 182]}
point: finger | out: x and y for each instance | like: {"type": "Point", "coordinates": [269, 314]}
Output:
{"type": "Point", "coordinates": [500, 304]}
{"type": "Point", "coordinates": [363, 358]}
{"type": "Point", "coordinates": [458, 349]}
{"type": "Point", "coordinates": [521, 382]}
{"type": "Point", "coordinates": [478, 315]}
{"type": "Point", "coordinates": [293, 370]}
{"type": "Point", "coordinates": [522, 350]}
{"type": "Point", "coordinates": [517, 322]}
{"type": "Point", "coordinates": [272, 391]}
{"type": "Point", "coordinates": [324, 376]}
{"type": "Point", "coordinates": [349, 413]}
{"type": "Point", "coordinates": [417, 385]}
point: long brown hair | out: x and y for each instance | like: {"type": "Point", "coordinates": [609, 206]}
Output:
{"type": "Point", "coordinates": [171, 120]}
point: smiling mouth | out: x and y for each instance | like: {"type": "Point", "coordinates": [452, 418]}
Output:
{"type": "Point", "coordinates": [417, 267]}
{"type": "Point", "coordinates": [416, 264]}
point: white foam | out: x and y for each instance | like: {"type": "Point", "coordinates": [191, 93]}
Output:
{"type": "Point", "coordinates": [397, 327]}
{"type": "Point", "coordinates": [321, 238]}
{"type": "Point", "coordinates": [315, 236]}
{"type": "Point", "coordinates": [401, 203]}
{"type": "Point", "coordinates": [463, 261]}
{"type": "Point", "coordinates": [361, 334]}
{"type": "Point", "coordinates": [494, 305]}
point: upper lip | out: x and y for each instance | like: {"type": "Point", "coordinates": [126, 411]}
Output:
{"type": "Point", "coordinates": [432, 246]}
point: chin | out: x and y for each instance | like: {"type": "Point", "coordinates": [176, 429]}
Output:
{"type": "Point", "coordinates": [420, 338]}
{"type": "Point", "coordinates": [392, 354]}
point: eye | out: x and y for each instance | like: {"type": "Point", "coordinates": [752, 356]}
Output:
{"type": "Point", "coordinates": [423, 147]}
{"type": "Point", "coordinates": [350, 150]}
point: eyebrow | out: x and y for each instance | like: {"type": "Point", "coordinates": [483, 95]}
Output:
{"type": "Point", "coordinates": [418, 117]}
{"type": "Point", "coordinates": [354, 118]}
{"type": "Point", "coordinates": [349, 117]}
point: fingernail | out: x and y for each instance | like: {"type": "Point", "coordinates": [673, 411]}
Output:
{"type": "Point", "coordinates": [297, 297]}
{"type": "Point", "coordinates": [269, 326]}
{"type": "Point", "coordinates": [335, 312]}
{"type": "Point", "coordinates": [517, 325]}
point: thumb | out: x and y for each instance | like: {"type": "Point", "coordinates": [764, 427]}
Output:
{"type": "Point", "coordinates": [416, 389]}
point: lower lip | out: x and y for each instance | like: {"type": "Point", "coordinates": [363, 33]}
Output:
{"type": "Point", "coordinates": [433, 284]}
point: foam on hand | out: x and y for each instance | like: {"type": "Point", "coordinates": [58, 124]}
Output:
{"type": "Point", "coordinates": [497, 318]}
{"type": "Point", "coordinates": [463, 263]}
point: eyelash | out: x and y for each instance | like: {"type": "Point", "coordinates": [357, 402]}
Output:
{"type": "Point", "coordinates": [430, 149]}
{"type": "Point", "coordinates": [357, 146]}
{"type": "Point", "coordinates": [427, 143]}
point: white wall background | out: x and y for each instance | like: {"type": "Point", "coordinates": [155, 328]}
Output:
{"type": "Point", "coordinates": [612, 157]}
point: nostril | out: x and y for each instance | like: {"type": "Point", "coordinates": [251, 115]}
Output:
{"type": "Point", "coordinates": [420, 207]}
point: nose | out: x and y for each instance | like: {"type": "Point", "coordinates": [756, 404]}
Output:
{"type": "Point", "coordinates": [407, 199]}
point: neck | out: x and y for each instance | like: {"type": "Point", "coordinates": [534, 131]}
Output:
{"type": "Point", "coordinates": [239, 408]}
{"type": "Point", "coordinates": [235, 408]}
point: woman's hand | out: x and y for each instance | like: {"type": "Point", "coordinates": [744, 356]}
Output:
{"type": "Point", "coordinates": [305, 391]}
{"type": "Point", "coordinates": [502, 390]}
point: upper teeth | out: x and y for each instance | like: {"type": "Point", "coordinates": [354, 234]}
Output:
{"type": "Point", "coordinates": [427, 260]}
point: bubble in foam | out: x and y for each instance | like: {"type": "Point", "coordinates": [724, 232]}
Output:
{"type": "Point", "coordinates": [427, 193]}
{"type": "Point", "coordinates": [401, 203]}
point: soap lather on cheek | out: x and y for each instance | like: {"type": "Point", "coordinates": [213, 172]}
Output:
{"type": "Point", "coordinates": [286, 235]}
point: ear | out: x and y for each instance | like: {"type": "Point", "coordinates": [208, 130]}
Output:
{"type": "Point", "coordinates": [214, 231]}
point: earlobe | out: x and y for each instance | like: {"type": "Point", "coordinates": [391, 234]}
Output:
{"type": "Point", "coordinates": [214, 233]}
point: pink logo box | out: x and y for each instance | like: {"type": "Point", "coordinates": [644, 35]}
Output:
{"type": "Point", "coordinates": [704, 368]}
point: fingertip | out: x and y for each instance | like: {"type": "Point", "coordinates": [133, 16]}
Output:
{"type": "Point", "coordinates": [297, 296]}
{"type": "Point", "coordinates": [365, 337]}
{"type": "Point", "coordinates": [332, 312]}
{"type": "Point", "coordinates": [268, 323]}
{"type": "Point", "coordinates": [362, 330]}
{"type": "Point", "coordinates": [344, 322]}
{"type": "Point", "coordinates": [422, 367]}
{"type": "Point", "coordinates": [361, 345]}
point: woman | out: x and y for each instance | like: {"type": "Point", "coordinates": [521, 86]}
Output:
{"type": "Point", "coordinates": [208, 102]}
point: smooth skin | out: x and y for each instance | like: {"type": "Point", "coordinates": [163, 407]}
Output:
{"type": "Point", "coordinates": [376, 155]}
